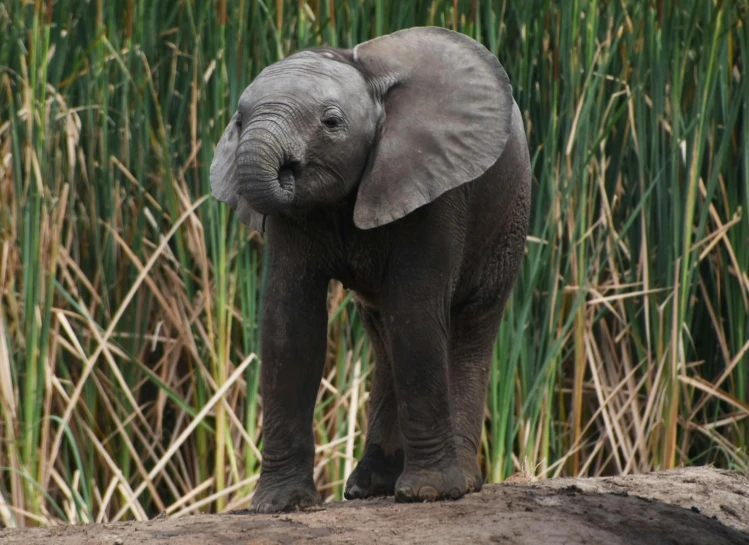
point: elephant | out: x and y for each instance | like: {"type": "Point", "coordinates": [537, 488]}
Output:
{"type": "Point", "coordinates": [399, 168]}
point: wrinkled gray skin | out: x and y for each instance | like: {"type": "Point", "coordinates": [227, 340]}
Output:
{"type": "Point", "coordinates": [401, 169]}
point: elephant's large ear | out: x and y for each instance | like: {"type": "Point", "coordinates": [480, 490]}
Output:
{"type": "Point", "coordinates": [224, 177]}
{"type": "Point", "coordinates": [448, 106]}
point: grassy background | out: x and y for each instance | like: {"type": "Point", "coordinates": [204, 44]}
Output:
{"type": "Point", "coordinates": [128, 296]}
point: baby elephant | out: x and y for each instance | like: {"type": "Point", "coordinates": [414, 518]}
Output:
{"type": "Point", "coordinates": [401, 169]}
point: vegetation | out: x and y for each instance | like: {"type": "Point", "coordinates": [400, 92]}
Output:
{"type": "Point", "coordinates": [128, 295]}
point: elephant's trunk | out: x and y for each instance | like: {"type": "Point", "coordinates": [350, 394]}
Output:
{"type": "Point", "coordinates": [264, 169]}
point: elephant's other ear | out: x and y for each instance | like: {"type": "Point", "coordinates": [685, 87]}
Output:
{"type": "Point", "coordinates": [448, 108]}
{"type": "Point", "coordinates": [224, 178]}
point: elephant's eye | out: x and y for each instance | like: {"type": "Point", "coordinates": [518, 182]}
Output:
{"type": "Point", "coordinates": [332, 121]}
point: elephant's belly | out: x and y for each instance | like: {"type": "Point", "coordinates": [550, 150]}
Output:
{"type": "Point", "coordinates": [366, 300]}
{"type": "Point", "coordinates": [359, 264]}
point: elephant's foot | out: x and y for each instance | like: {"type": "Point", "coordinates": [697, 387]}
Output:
{"type": "Point", "coordinates": [418, 484]}
{"type": "Point", "coordinates": [273, 497]}
{"type": "Point", "coordinates": [375, 474]}
{"type": "Point", "coordinates": [467, 451]}
{"type": "Point", "coordinates": [472, 473]}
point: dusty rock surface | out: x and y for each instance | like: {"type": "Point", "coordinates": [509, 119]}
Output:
{"type": "Point", "coordinates": [680, 507]}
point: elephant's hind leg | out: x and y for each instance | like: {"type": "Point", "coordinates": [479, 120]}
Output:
{"type": "Point", "coordinates": [472, 336]}
{"type": "Point", "coordinates": [473, 331]}
{"type": "Point", "coordinates": [382, 462]}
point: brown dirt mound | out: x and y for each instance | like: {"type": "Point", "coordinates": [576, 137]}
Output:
{"type": "Point", "coordinates": [684, 506]}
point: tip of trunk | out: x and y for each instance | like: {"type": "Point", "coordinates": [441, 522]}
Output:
{"type": "Point", "coordinates": [269, 195]}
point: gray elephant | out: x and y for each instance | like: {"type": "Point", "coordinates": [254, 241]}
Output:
{"type": "Point", "coordinates": [401, 169]}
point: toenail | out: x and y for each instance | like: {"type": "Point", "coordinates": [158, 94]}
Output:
{"type": "Point", "coordinates": [406, 493]}
{"type": "Point", "coordinates": [428, 493]}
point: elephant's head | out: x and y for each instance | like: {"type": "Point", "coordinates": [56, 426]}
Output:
{"type": "Point", "coordinates": [399, 120]}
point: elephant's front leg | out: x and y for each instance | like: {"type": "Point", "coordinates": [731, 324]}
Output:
{"type": "Point", "coordinates": [419, 344]}
{"type": "Point", "coordinates": [293, 354]}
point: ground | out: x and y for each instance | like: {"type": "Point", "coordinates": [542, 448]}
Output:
{"type": "Point", "coordinates": [681, 507]}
